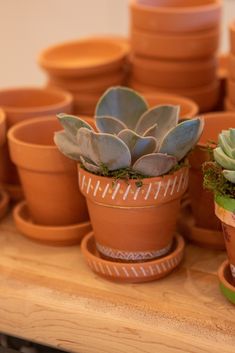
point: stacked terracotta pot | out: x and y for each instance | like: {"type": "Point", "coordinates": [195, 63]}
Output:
{"type": "Point", "coordinates": [174, 45]}
{"type": "Point", "coordinates": [230, 99]}
{"type": "Point", "coordinates": [86, 68]}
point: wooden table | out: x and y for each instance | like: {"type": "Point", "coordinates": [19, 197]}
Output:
{"type": "Point", "coordinates": [48, 295]}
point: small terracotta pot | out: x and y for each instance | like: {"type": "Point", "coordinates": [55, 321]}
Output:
{"type": "Point", "coordinates": [85, 103]}
{"type": "Point", "coordinates": [228, 105]}
{"type": "Point", "coordinates": [222, 74]}
{"type": "Point", "coordinates": [2, 127]}
{"type": "Point", "coordinates": [175, 16]}
{"type": "Point", "coordinates": [224, 210]}
{"type": "Point", "coordinates": [133, 223]}
{"type": "Point", "coordinates": [232, 37]}
{"type": "Point", "coordinates": [202, 200]}
{"type": "Point", "coordinates": [48, 178]}
{"type": "Point", "coordinates": [227, 284]}
{"type": "Point", "coordinates": [188, 108]}
{"type": "Point", "coordinates": [25, 103]}
{"type": "Point", "coordinates": [85, 57]}
{"type": "Point", "coordinates": [4, 203]}
{"type": "Point", "coordinates": [174, 74]}
{"type": "Point", "coordinates": [231, 90]}
{"type": "Point", "coordinates": [171, 46]}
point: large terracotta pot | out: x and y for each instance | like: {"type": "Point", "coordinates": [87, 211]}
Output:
{"type": "Point", "coordinates": [48, 178]}
{"type": "Point", "coordinates": [224, 210]}
{"type": "Point", "coordinates": [232, 37]}
{"type": "Point", "coordinates": [172, 46]}
{"type": "Point", "coordinates": [175, 15]}
{"type": "Point", "coordinates": [24, 103]}
{"type": "Point", "coordinates": [174, 74]}
{"type": "Point", "coordinates": [133, 223]}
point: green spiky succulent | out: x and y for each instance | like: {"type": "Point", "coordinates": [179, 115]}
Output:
{"type": "Point", "coordinates": [149, 142]}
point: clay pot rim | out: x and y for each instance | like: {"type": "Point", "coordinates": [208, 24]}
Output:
{"type": "Point", "coordinates": [4, 199]}
{"type": "Point", "coordinates": [188, 10]}
{"type": "Point", "coordinates": [66, 98]}
{"type": "Point", "coordinates": [179, 248]}
{"type": "Point", "coordinates": [47, 64]}
{"type": "Point", "coordinates": [222, 278]}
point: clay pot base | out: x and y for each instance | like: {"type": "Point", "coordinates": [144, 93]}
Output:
{"type": "Point", "coordinates": [205, 238]}
{"type": "Point", "coordinates": [14, 191]}
{"type": "Point", "coordinates": [226, 281]}
{"type": "Point", "coordinates": [4, 203]}
{"type": "Point", "coordinates": [57, 236]}
{"type": "Point", "coordinates": [132, 272]}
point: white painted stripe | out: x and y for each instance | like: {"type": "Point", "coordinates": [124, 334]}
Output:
{"type": "Point", "coordinates": [167, 187]}
{"type": "Point", "coordinates": [116, 191]}
{"type": "Point", "coordinates": [88, 186]}
{"type": "Point", "coordinates": [116, 270]}
{"type": "Point", "coordinates": [179, 185]}
{"type": "Point", "coordinates": [185, 181]}
{"type": "Point", "coordinates": [108, 269]}
{"type": "Point", "coordinates": [96, 188]}
{"type": "Point", "coordinates": [134, 271]}
{"type": "Point", "coordinates": [143, 271]}
{"type": "Point", "coordinates": [158, 269]}
{"type": "Point", "coordinates": [151, 270]}
{"type": "Point", "coordinates": [125, 271]}
{"type": "Point", "coordinates": [126, 192]}
{"type": "Point", "coordinates": [164, 266]}
{"type": "Point", "coordinates": [148, 191]}
{"type": "Point", "coordinates": [174, 183]}
{"type": "Point", "coordinates": [95, 266]}
{"type": "Point", "coordinates": [136, 193]}
{"type": "Point", "coordinates": [158, 190]}
{"type": "Point", "coordinates": [101, 268]}
{"type": "Point", "coordinates": [83, 181]}
{"type": "Point", "coordinates": [105, 190]}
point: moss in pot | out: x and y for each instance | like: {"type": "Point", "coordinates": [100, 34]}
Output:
{"type": "Point", "coordinates": [133, 172]}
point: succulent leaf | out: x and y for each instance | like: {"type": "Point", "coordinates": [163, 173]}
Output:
{"type": "Point", "coordinates": [103, 149]}
{"type": "Point", "coordinates": [122, 103]}
{"type": "Point", "coordinates": [225, 144]}
{"type": "Point", "coordinates": [90, 166]}
{"type": "Point", "coordinates": [222, 159]}
{"type": "Point", "coordinates": [109, 125]}
{"type": "Point", "coordinates": [182, 138]}
{"type": "Point", "coordinates": [154, 164]}
{"type": "Point", "coordinates": [138, 145]}
{"type": "Point", "coordinates": [165, 116]}
{"type": "Point", "coordinates": [229, 175]}
{"type": "Point", "coordinates": [67, 146]}
{"type": "Point", "coordinates": [151, 131]}
{"type": "Point", "coordinates": [232, 137]}
{"type": "Point", "coordinates": [72, 124]}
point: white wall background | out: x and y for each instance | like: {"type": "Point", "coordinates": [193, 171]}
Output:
{"type": "Point", "coordinates": [27, 26]}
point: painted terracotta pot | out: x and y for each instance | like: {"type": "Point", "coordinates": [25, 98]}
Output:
{"type": "Point", "coordinates": [174, 74]}
{"type": "Point", "coordinates": [231, 66]}
{"type": "Point", "coordinates": [224, 210]}
{"type": "Point", "coordinates": [228, 105]}
{"type": "Point", "coordinates": [133, 223]}
{"type": "Point", "coordinates": [175, 15]}
{"type": "Point", "coordinates": [85, 57]}
{"type": "Point", "coordinates": [188, 108]}
{"type": "Point", "coordinates": [232, 37]}
{"type": "Point", "coordinates": [231, 91]}
{"type": "Point", "coordinates": [172, 46]}
{"type": "Point", "coordinates": [227, 284]}
{"type": "Point", "coordinates": [21, 104]}
{"type": "Point", "coordinates": [48, 178]}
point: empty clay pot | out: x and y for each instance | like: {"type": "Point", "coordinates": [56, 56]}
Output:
{"type": "Point", "coordinates": [49, 179]}
{"type": "Point", "coordinates": [188, 108]}
{"type": "Point", "coordinates": [231, 66]}
{"type": "Point", "coordinates": [174, 74]}
{"type": "Point", "coordinates": [175, 47]}
{"type": "Point", "coordinates": [231, 90]}
{"type": "Point", "coordinates": [133, 223]}
{"type": "Point", "coordinates": [228, 105]}
{"type": "Point", "coordinates": [84, 57]}
{"type": "Point", "coordinates": [85, 103]}
{"type": "Point", "coordinates": [175, 16]}
{"type": "Point", "coordinates": [232, 37]}
{"type": "Point", "coordinates": [24, 103]}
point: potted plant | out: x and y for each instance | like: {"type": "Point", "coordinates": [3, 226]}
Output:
{"type": "Point", "coordinates": [219, 176]}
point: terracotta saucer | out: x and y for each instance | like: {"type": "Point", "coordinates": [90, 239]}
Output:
{"type": "Point", "coordinates": [206, 238]}
{"type": "Point", "coordinates": [14, 191]}
{"type": "Point", "coordinates": [226, 281]}
{"type": "Point", "coordinates": [4, 203]}
{"type": "Point", "coordinates": [132, 272]}
{"type": "Point", "coordinates": [57, 236]}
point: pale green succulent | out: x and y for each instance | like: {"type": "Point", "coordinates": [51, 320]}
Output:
{"type": "Point", "coordinates": [224, 154]}
{"type": "Point", "coordinates": [148, 141]}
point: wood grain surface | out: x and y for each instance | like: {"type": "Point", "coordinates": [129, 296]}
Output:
{"type": "Point", "coordinates": [50, 296]}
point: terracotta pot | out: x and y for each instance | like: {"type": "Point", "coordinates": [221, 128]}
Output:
{"type": "Point", "coordinates": [4, 203]}
{"type": "Point", "coordinates": [224, 210]}
{"type": "Point", "coordinates": [228, 105]}
{"type": "Point", "coordinates": [122, 213]}
{"type": "Point", "coordinates": [48, 177]}
{"type": "Point", "coordinates": [188, 108]}
{"type": "Point", "coordinates": [206, 97]}
{"type": "Point", "coordinates": [231, 91]}
{"type": "Point", "coordinates": [175, 16]}
{"type": "Point", "coordinates": [232, 37]}
{"type": "Point", "coordinates": [172, 46]}
{"type": "Point", "coordinates": [227, 284]}
{"type": "Point", "coordinates": [222, 74]}
{"type": "Point", "coordinates": [202, 201]}
{"type": "Point", "coordinates": [85, 103]}
{"type": "Point", "coordinates": [24, 103]}
{"type": "Point", "coordinates": [85, 57]}
{"type": "Point", "coordinates": [231, 66]}
{"type": "Point", "coordinates": [2, 127]}
{"type": "Point", "coordinates": [174, 74]}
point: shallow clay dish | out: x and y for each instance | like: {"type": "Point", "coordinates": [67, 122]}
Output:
{"type": "Point", "coordinates": [132, 272]}
{"type": "Point", "coordinates": [188, 108]}
{"type": "Point", "coordinates": [4, 203]}
{"type": "Point", "coordinates": [226, 281]}
{"type": "Point", "coordinates": [175, 16]}
{"type": "Point", "coordinates": [228, 105]}
{"type": "Point", "coordinates": [58, 236]}
{"type": "Point", "coordinates": [84, 57]}
{"type": "Point", "coordinates": [172, 46]}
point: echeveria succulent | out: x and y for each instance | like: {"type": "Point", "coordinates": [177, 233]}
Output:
{"type": "Point", "coordinates": [149, 141]}
{"type": "Point", "coordinates": [224, 154]}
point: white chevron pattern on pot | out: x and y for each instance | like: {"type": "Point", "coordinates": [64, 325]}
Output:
{"type": "Point", "coordinates": [232, 267]}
